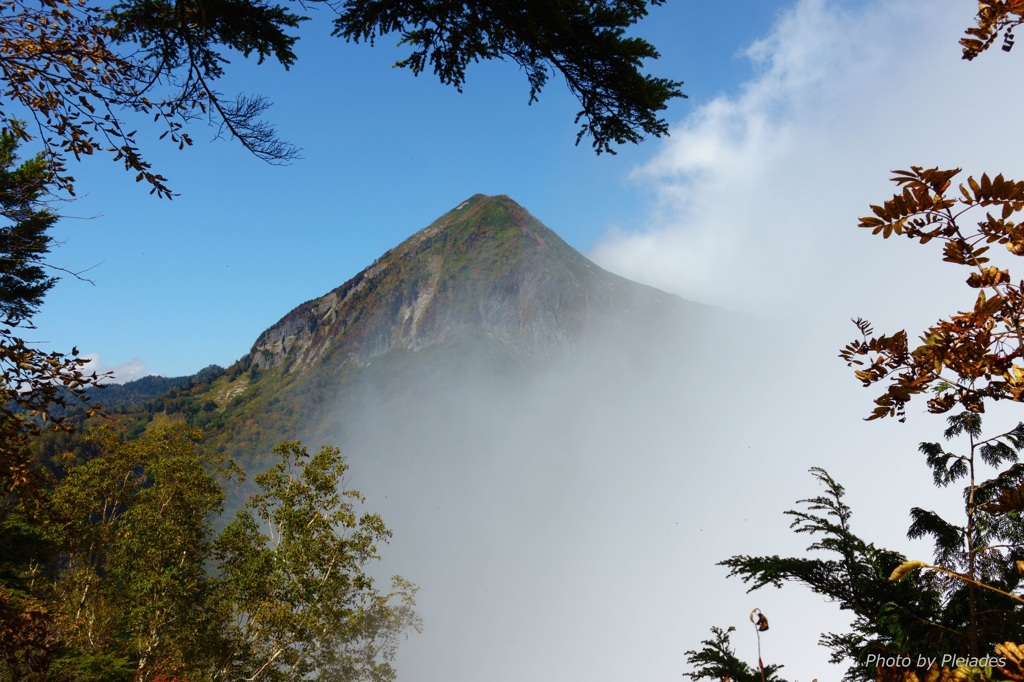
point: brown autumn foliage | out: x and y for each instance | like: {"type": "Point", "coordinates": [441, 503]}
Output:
{"type": "Point", "coordinates": [974, 355]}
{"type": "Point", "coordinates": [995, 18]}
{"type": "Point", "coordinates": [59, 67]}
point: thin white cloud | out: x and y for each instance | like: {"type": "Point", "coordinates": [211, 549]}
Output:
{"type": "Point", "coordinates": [758, 193]}
{"type": "Point", "coordinates": [120, 373]}
{"type": "Point", "coordinates": [756, 199]}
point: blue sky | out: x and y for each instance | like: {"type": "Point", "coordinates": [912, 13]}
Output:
{"type": "Point", "coordinates": [798, 110]}
{"type": "Point", "coordinates": [181, 284]}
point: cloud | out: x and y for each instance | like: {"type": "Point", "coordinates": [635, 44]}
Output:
{"type": "Point", "coordinates": [120, 373]}
{"type": "Point", "coordinates": [755, 201]}
{"type": "Point", "coordinates": [757, 194]}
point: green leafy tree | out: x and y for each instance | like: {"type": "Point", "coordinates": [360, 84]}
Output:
{"type": "Point", "coordinates": [131, 582]}
{"type": "Point", "coordinates": [25, 622]}
{"type": "Point", "coordinates": [985, 546]}
{"type": "Point", "coordinates": [294, 562]}
{"type": "Point", "coordinates": [132, 594]}
{"type": "Point", "coordinates": [34, 385]}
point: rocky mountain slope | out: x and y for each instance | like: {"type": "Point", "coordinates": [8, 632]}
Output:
{"type": "Point", "coordinates": [486, 290]}
{"type": "Point", "coordinates": [486, 270]}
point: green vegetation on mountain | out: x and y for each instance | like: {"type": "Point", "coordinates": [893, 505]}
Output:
{"type": "Point", "coordinates": [121, 576]}
{"type": "Point", "coordinates": [486, 265]}
{"type": "Point", "coordinates": [485, 287]}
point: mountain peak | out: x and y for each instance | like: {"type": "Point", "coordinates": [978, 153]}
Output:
{"type": "Point", "coordinates": [477, 213]}
{"type": "Point", "coordinates": [484, 272]}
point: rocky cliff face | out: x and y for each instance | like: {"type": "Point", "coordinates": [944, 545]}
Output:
{"type": "Point", "coordinates": [476, 310]}
{"type": "Point", "coordinates": [486, 270]}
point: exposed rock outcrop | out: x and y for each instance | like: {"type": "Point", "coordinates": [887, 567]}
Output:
{"type": "Point", "coordinates": [486, 270]}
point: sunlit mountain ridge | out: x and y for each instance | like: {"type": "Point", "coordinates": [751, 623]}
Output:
{"type": "Point", "coordinates": [484, 290]}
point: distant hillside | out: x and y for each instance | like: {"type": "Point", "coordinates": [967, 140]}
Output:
{"type": "Point", "coordinates": [136, 393]}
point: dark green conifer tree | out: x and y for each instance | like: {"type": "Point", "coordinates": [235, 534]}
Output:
{"type": "Point", "coordinates": [24, 238]}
